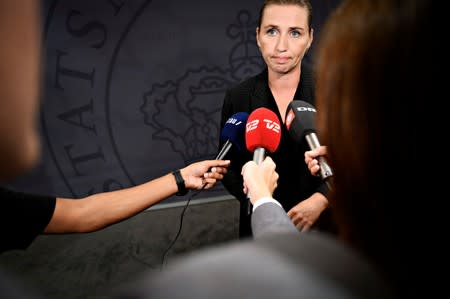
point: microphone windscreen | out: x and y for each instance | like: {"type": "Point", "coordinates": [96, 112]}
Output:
{"type": "Point", "coordinates": [233, 130]}
{"type": "Point", "coordinates": [300, 119]}
{"type": "Point", "coordinates": [262, 130]}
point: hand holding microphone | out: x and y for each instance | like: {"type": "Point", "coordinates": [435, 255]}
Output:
{"type": "Point", "coordinates": [262, 134]}
{"type": "Point", "coordinates": [260, 180]}
{"type": "Point", "coordinates": [300, 122]}
{"type": "Point", "coordinates": [312, 158]}
{"type": "Point", "coordinates": [232, 134]}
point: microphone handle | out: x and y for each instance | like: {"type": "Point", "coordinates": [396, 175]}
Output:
{"type": "Point", "coordinates": [259, 154]}
{"type": "Point", "coordinates": [224, 150]}
{"type": "Point", "coordinates": [313, 142]}
{"type": "Point", "coordinates": [258, 157]}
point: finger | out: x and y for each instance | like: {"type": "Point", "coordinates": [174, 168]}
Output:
{"type": "Point", "coordinates": [305, 228]}
{"type": "Point", "coordinates": [313, 163]}
{"type": "Point", "coordinates": [215, 176]}
{"type": "Point", "coordinates": [209, 175]}
{"type": "Point", "coordinates": [315, 170]}
{"type": "Point", "coordinates": [210, 181]}
{"type": "Point", "coordinates": [293, 218]}
{"type": "Point", "coordinates": [243, 169]}
{"type": "Point", "coordinates": [307, 158]}
{"type": "Point", "coordinates": [209, 185]}
{"type": "Point", "coordinates": [221, 170]}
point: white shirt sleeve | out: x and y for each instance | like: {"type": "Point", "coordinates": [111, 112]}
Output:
{"type": "Point", "coordinates": [265, 200]}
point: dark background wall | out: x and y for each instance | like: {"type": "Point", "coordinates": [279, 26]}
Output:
{"type": "Point", "coordinates": [133, 90]}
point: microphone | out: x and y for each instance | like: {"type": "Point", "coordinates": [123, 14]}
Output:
{"type": "Point", "coordinates": [300, 122]}
{"type": "Point", "coordinates": [233, 134]}
{"type": "Point", "coordinates": [262, 134]}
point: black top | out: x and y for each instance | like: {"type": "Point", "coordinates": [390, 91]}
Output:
{"type": "Point", "coordinates": [295, 182]}
{"type": "Point", "coordinates": [23, 217]}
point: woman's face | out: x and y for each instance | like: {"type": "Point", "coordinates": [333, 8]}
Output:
{"type": "Point", "coordinates": [284, 37]}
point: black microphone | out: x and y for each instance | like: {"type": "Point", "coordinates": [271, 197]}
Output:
{"type": "Point", "coordinates": [233, 134]}
{"type": "Point", "coordinates": [300, 122]}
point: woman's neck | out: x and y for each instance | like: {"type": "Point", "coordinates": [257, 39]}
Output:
{"type": "Point", "coordinates": [283, 88]}
{"type": "Point", "coordinates": [280, 82]}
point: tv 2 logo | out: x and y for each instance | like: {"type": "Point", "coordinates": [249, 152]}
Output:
{"type": "Point", "coordinates": [270, 125]}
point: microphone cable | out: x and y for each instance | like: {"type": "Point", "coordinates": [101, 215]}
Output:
{"type": "Point", "coordinates": [180, 227]}
{"type": "Point", "coordinates": [135, 255]}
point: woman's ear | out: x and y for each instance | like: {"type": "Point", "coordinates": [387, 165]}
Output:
{"type": "Point", "coordinates": [257, 37]}
{"type": "Point", "coordinates": [311, 38]}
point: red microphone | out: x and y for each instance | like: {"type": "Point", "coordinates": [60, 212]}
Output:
{"type": "Point", "coordinates": [262, 133]}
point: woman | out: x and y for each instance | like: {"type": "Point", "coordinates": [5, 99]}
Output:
{"type": "Point", "coordinates": [284, 35]}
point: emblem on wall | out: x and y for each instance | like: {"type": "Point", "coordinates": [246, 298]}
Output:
{"type": "Point", "coordinates": [118, 107]}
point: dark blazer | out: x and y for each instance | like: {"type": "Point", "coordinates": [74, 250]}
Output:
{"type": "Point", "coordinates": [295, 182]}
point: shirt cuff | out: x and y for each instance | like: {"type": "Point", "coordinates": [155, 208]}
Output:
{"type": "Point", "coordinates": [264, 200]}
